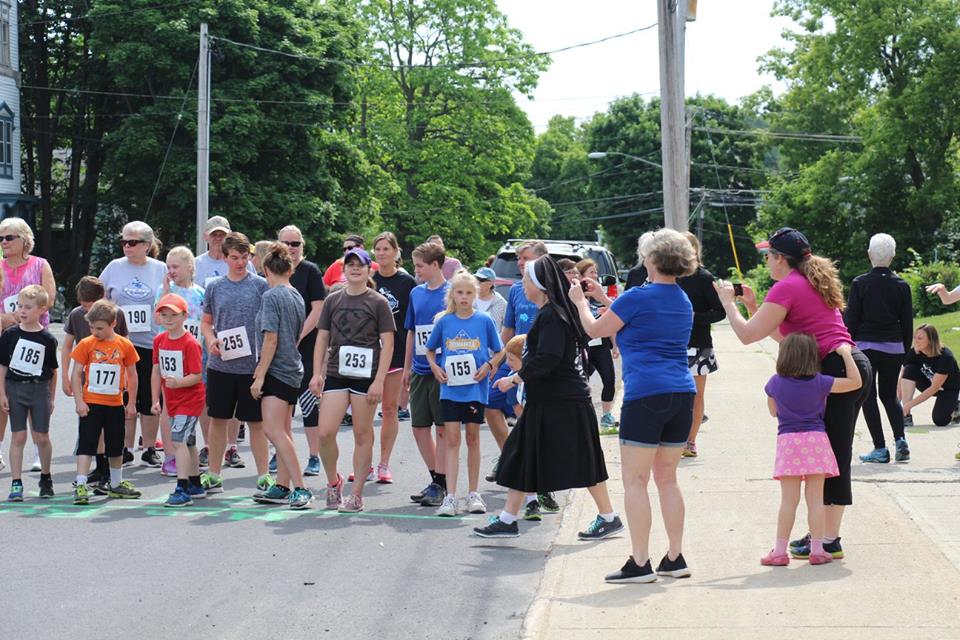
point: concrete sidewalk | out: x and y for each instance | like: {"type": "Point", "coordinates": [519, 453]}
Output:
{"type": "Point", "coordinates": [900, 577]}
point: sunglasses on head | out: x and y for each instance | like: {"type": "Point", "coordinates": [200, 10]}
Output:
{"type": "Point", "coordinates": [292, 243]}
{"type": "Point", "coordinates": [8, 238]}
{"type": "Point", "coordinates": [348, 248]}
{"type": "Point", "coordinates": [131, 243]}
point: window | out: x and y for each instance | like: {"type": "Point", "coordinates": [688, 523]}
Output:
{"type": "Point", "coordinates": [5, 34]}
{"type": "Point", "coordinates": [6, 141]}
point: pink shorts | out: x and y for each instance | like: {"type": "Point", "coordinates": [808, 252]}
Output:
{"type": "Point", "coordinates": [805, 453]}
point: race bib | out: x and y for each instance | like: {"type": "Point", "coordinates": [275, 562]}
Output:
{"type": "Point", "coordinates": [460, 370]}
{"type": "Point", "coordinates": [193, 328]}
{"type": "Point", "coordinates": [28, 358]}
{"type": "Point", "coordinates": [137, 317]}
{"type": "Point", "coordinates": [234, 343]}
{"type": "Point", "coordinates": [356, 362]}
{"type": "Point", "coordinates": [104, 379]}
{"type": "Point", "coordinates": [596, 342]}
{"type": "Point", "coordinates": [421, 334]}
{"type": "Point", "coordinates": [10, 304]}
{"type": "Point", "coordinates": [171, 363]}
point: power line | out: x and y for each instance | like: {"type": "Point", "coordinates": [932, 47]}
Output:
{"type": "Point", "coordinates": [787, 135]}
{"type": "Point", "coordinates": [107, 14]}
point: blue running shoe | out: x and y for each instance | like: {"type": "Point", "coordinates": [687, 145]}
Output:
{"type": "Point", "coordinates": [313, 466]}
{"type": "Point", "coordinates": [179, 498]}
{"type": "Point", "coordinates": [16, 492]}
{"type": "Point", "coordinates": [197, 491]}
{"type": "Point", "coordinates": [433, 496]}
{"type": "Point", "coordinates": [877, 455]}
{"type": "Point", "coordinates": [403, 414]}
{"type": "Point", "coordinates": [272, 468]}
{"type": "Point", "coordinates": [903, 451]}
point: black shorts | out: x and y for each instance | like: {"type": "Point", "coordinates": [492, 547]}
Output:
{"type": "Point", "coordinates": [278, 389]}
{"type": "Point", "coordinates": [462, 412]}
{"type": "Point", "coordinates": [228, 396]}
{"type": "Point", "coordinates": [144, 373]}
{"type": "Point", "coordinates": [356, 386]}
{"type": "Point", "coordinates": [101, 419]}
{"type": "Point", "coordinates": [661, 420]}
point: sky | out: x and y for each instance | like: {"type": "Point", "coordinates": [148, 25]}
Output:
{"type": "Point", "coordinates": [722, 48]}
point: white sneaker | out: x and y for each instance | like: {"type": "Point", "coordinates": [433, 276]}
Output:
{"type": "Point", "coordinates": [449, 506]}
{"type": "Point", "coordinates": [36, 464]}
{"type": "Point", "coordinates": [475, 503]}
{"type": "Point", "coordinates": [372, 476]}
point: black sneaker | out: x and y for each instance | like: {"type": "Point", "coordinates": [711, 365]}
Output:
{"type": "Point", "coordinates": [705, 418]}
{"type": "Point", "coordinates": [600, 529]}
{"type": "Point", "coordinates": [102, 488]}
{"type": "Point", "coordinates": [673, 568]}
{"type": "Point", "coordinates": [547, 503]}
{"type": "Point", "coordinates": [492, 476]}
{"type": "Point", "coordinates": [242, 433]}
{"type": "Point", "coordinates": [204, 458]}
{"type": "Point", "coordinates": [417, 497]}
{"type": "Point", "coordinates": [800, 542]}
{"type": "Point", "coordinates": [347, 420]}
{"type": "Point", "coordinates": [46, 488]}
{"type": "Point", "coordinates": [497, 528]}
{"type": "Point", "coordinates": [908, 420]}
{"type": "Point", "coordinates": [151, 458]}
{"type": "Point", "coordinates": [433, 496]}
{"type": "Point", "coordinates": [532, 511]}
{"type": "Point", "coordinates": [632, 572]}
{"type": "Point", "coordinates": [232, 459]}
{"type": "Point", "coordinates": [96, 476]}
{"type": "Point", "coordinates": [127, 458]}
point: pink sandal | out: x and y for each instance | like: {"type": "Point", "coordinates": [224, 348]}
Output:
{"type": "Point", "coordinates": [820, 558]}
{"type": "Point", "coordinates": [775, 560]}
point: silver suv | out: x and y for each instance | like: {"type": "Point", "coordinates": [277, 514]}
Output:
{"type": "Point", "coordinates": [508, 271]}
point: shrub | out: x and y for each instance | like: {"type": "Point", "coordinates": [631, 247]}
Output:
{"type": "Point", "coordinates": [919, 276]}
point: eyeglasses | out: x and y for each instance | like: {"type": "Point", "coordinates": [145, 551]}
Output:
{"type": "Point", "coordinates": [131, 243]}
{"type": "Point", "coordinates": [8, 238]}
{"type": "Point", "coordinates": [292, 243]}
{"type": "Point", "coordinates": [352, 246]}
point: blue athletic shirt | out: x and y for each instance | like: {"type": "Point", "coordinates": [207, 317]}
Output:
{"type": "Point", "coordinates": [455, 336]}
{"type": "Point", "coordinates": [520, 312]}
{"type": "Point", "coordinates": [657, 320]}
{"type": "Point", "coordinates": [424, 305]}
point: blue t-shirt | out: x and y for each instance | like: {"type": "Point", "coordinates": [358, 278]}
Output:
{"type": "Point", "coordinates": [424, 305]}
{"type": "Point", "coordinates": [475, 337]}
{"type": "Point", "coordinates": [520, 312]}
{"type": "Point", "coordinates": [801, 402]}
{"type": "Point", "coordinates": [657, 320]}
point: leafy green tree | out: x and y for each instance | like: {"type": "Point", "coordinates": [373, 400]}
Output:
{"type": "Point", "coordinates": [561, 175]}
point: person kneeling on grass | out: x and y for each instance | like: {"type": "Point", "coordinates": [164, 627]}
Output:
{"type": "Point", "coordinates": [107, 367]}
{"type": "Point", "coordinates": [177, 370]}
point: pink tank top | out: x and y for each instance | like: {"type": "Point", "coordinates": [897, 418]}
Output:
{"type": "Point", "coordinates": [16, 278]}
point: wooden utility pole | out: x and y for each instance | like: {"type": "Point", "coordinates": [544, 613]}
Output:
{"type": "Point", "coordinates": [671, 24]}
{"type": "Point", "coordinates": [203, 139]}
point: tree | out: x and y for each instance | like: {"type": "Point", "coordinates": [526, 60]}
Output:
{"type": "Point", "coordinates": [561, 175]}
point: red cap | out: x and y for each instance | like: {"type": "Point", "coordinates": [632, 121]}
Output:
{"type": "Point", "coordinates": [174, 302]}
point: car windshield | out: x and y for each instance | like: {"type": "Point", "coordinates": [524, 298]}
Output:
{"type": "Point", "coordinates": [505, 266]}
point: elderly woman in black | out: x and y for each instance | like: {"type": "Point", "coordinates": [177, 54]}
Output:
{"type": "Point", "coordinates": [879, 316]}
{"type": "Point", "coordinates": [556, 444]}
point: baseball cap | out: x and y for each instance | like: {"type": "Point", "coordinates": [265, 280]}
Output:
{"type": "Point", "coordinates": [787, 241]}
{"type": "Point", "coordinates": [359, 253]}
{"type": "Point", "coordinates": [217, 223]}
{"type": "Point", "coordinates": [485, 273]}
{"type": "Point", "coordinates": [172, 301]}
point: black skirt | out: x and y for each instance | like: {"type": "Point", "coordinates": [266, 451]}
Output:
{"type": "Point", "coordinates": [554, 446]}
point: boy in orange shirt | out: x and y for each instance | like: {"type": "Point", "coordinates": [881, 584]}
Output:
{"type": "Point", "coordinates": [107, 364]}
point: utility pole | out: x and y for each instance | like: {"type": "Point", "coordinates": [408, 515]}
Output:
{"type": "Point", "coordinates": [203, 138]}
{"type": "Point", "coordinates": [671, 24]}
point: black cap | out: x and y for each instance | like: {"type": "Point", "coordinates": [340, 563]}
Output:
{"type": "Point", "coordinates": [787, 241]}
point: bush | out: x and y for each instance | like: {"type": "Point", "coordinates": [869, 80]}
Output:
{"type": "Point", "coordinates": [918, 276]}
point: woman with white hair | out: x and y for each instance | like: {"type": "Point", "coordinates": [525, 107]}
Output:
{"type": "Point", "coordinates": [20, 269]}
{"type": "Point", "coordinates": [879, 316]}
{"type": "Point", "coordinates": [132, 283]}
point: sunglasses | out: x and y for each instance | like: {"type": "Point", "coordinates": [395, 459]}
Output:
{"type": "Point", "coordinates": [131, 243]}
{"type": "Point", "coordinates": [8, 238]}
{"type": "Point", "coordinates": [292, 243]}
{"type": "Point", "coordinates": [348, 248]}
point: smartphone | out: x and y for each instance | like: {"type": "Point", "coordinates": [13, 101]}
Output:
{"type": "Point", "coordinates": [583, 285]}
{"type": "Point", "coordinates": [737, 289]}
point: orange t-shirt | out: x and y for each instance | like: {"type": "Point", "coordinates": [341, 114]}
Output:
{"type": "Point", "coordinates": [104, 368]}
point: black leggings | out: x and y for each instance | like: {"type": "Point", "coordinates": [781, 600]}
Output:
{"type": "Point", "coordinates": [840, 419]}
{"type": "Point", "coordinates": [944, 404]}
{"type": "Point", "coordinates": [600, 360]}
{"type": "Point", "coordinates": [886, 370]}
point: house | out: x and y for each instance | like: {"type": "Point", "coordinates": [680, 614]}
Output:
{"type": "Point", "coordinates": [12, 201]}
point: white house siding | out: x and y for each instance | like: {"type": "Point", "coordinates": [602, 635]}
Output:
{"type": "Point", "coordinates": [10, 93]}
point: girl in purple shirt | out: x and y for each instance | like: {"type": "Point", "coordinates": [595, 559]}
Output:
{"type": "Point", "coordinates": [797, 397]}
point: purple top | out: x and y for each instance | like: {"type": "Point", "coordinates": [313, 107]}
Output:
{"type": "Point", "coordinates": [882, 347]}
{"type": "Point", "coordinates": [800, 402]}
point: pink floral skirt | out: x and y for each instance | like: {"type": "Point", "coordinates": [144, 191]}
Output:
{"type": "Point", "coordinates": [805, 453]}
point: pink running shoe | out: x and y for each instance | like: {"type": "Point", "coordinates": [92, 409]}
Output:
{"type": "Point", "coordinates": [335, 493]}
{"type": "Point", "coordinates": [370, 476]}
{"type": "Point", "coordinates": [384, 475]}
{"type": "Point", "coordinates": [169, 467]}
{"type": "Point", "coordinates": [352, 504]}
{"type": "Point", "coordinates": [774, 560]}
{"type": "Point", "coordinates": [820, 558]}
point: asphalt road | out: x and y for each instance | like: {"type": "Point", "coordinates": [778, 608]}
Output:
{"type": "Point", "coordinates": [229, 568]}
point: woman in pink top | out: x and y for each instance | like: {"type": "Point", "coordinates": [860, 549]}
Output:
{"type": "Point", "coordinates": [19, 270]}
{"type": "Point", "coordinates": [808, 298]}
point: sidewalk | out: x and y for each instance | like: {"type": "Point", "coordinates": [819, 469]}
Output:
{"type": "Point", "coordinates": [900, 577]}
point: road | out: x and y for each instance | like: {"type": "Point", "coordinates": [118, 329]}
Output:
{"type": "Point", "coordinates": [229, 568]}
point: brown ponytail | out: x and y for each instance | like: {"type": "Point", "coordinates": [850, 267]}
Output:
{"type": "Point", "coordinates": [278, 261]}
{"type": "Point", "coordinates": [823, 276]}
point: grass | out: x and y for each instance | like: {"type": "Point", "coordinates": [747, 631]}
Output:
{"type": "Point", "coordinates": [948, 326]}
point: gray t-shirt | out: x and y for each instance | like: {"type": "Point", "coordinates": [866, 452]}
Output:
{"type": "Point", "coordinates": [134, 288]}
{"type": "Point", "coordinates": [207, 268]}
{"type": "Point", "coordinates": [78, 327]}
{"type": "Point", "coordinates": [281, 312]}
{"type": "Point", "coordinates": [234, 306]}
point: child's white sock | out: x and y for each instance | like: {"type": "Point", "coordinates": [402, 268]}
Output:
{"type": "Point", "coordinates": [116, 476]}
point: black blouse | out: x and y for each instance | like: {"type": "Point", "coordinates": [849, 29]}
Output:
{"type": "Point", "coordinates": [552, 368]}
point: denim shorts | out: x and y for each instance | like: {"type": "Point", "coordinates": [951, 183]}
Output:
{"type": "Point", "coordinates": [661, 420]}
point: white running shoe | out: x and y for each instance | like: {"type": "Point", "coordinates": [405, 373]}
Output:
{"type": "Point", "coordinates": [449, 506]}
{"type": "Point", "coordinates": [475, 503]}
{"type": "Point", "coordinates": [36, 464]}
